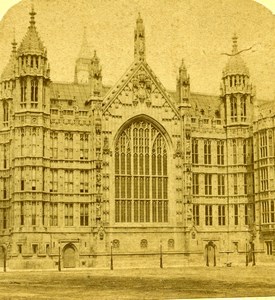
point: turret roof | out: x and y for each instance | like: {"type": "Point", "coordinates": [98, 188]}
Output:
{"type": "Point", "coordinates": [235, 64]}
{"type": "Point", "coordinates": [9, 70]}
{"type": "Point", "coordinates": [31, 43]}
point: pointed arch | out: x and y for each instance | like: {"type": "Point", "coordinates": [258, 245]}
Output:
{"type": "Point", "coordinates": [211, 250]}
{"type": "Point", "coordinates": [149, 119]}
{"type": "Point", "coordinates": [69, 256]}
{"type": "Point", "coordinates": [141, 176]}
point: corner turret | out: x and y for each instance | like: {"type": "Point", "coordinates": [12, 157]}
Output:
{"type": "Point", "coordinates": [236, 90]}
{"type": "Point", "coordinates": [33, 71]}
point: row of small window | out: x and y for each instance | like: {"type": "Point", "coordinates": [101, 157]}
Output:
{"type": "Point", "coordinates": [69, 180]}
{"type": "Point", "coordinates": [236, 80]}
{"type": "Point", "coordinates": [32, 61]}
{"type": "Point", "coordinates": [265, 141]}
{"type": "Point", "coordinates": [221, 214]}
{"type": "Point", "coordinates": [69, 145]}
{"type": "Point", "coordinates": [268, 211]}
{"type": "Point", "coordinates": [234, 101]}
{"type": "Point", "coordinates": [34, 216]}
{"type": "Point", "coordinates": [55, 146]}
{"type": "Point", "coordinates": [264, 186]}
{"type": "Point", "coordinates": [7, 84]}
{"type": "Point", "coordinates": [144, 244]}
{"type": "Point", "coordinates": [34, 92]}
{"type": "Point", "coordinates": [115, 244]}
{"type": "Point", "coordinates": [207, 121]}
{"type": "Point", "coordinates": [220, 181]}
{"type": "Point", "coordinates": [34, 248]}
{"type": "Point", "coordinates": [220, 152]}
{"type": "Point", "coordinates": [68, 112]}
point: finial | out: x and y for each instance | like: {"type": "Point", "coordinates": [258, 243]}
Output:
{"type": "Point", "coordinates": [32, 14]}
{"type": "Point", "coordinates": [85, 32]}
{"type": "Point", "coordinates": [235, 43]}
{"type": "Point", "coordinates": [139, 38]}
{"type": "Point", "coordinates": [139, 19]}
{"type": "Point", "coordinates": [182, 67]}
{"type": "Point", "coordinates": [14, 44]}
{"type": "Point", "coordinates": [95, 58]}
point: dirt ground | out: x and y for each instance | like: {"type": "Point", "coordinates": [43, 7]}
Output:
{"type": "Point", "coordinates": [172, 283]}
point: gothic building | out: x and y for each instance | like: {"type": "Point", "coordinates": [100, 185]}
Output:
{"type": "Point", "coordinates": [134, 170]}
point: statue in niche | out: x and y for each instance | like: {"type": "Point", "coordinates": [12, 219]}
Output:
{"type": "Point", "coordinates": [98, 180]}
{"type": "Point", "coordinates": [178, 150]}
{"type": "Point", "coordinates": [106, 144]}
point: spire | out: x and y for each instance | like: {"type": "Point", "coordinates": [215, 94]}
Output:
{"type": "Point", "coordinates": [183, 86]}
{"type": "Point", "coordinates": [31, 43]}
{"type": "Point", "coordinates": [235, 43]}
{"type": "Point", "coordinates": [14, 44]}
{"type": "Point", "coordinates": [9, 70]}
{"type": "Point", "coordinates": [139, 39]}
{"type": "Point", "coordinates": [85, 49]}
{"type": "Point", "coordinates": [182, 71]}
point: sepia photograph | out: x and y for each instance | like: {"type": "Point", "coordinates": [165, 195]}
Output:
{"type": "Point", "coordinates": [137, 149]}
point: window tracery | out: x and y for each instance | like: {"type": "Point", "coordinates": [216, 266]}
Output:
{"type": "Point", "coordinates": [141, 181]}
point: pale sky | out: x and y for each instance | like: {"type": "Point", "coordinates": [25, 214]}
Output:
{"type": "Point", "coordinates": [164, 51]}
{"type": "Point", "coordinates": [270, 4]}
{"type": "Point", "coordinates": [6, 4]}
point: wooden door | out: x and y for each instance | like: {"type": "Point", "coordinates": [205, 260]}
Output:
{"type": "Point", "coordinates": [210, 254]}
{"type": "Point", "coordinates": [69, 260]}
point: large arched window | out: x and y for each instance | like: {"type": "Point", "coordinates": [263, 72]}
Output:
{"type": "Point", "coordinates": [141, 180]}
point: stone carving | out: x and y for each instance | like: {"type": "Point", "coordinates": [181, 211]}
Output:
{"type": "Point", "coordinates": [178, 152]}
{"type": "Point", "coordinates": [98, 180]}
{"type": "Point", "coordinates": [142, 87]}
{"type": "Point", "coordinates": [106, 149]}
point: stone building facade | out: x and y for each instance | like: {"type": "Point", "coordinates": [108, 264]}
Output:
{"type": "Point", "coordinates": [132, 172]}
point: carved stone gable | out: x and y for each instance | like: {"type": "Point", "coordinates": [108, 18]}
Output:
{"type": "Point", "coordinates": [142, 87]}
{"type": "Point", "coordinates": [139, 86]}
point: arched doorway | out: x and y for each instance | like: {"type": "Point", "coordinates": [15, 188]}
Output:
{"type": "Point", "coordinates": [210, 250]}
{"type": "Point", "coordinates": [69, 256]}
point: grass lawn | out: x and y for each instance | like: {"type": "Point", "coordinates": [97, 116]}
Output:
{"type": "Point", "coordinates": [170, 283]}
